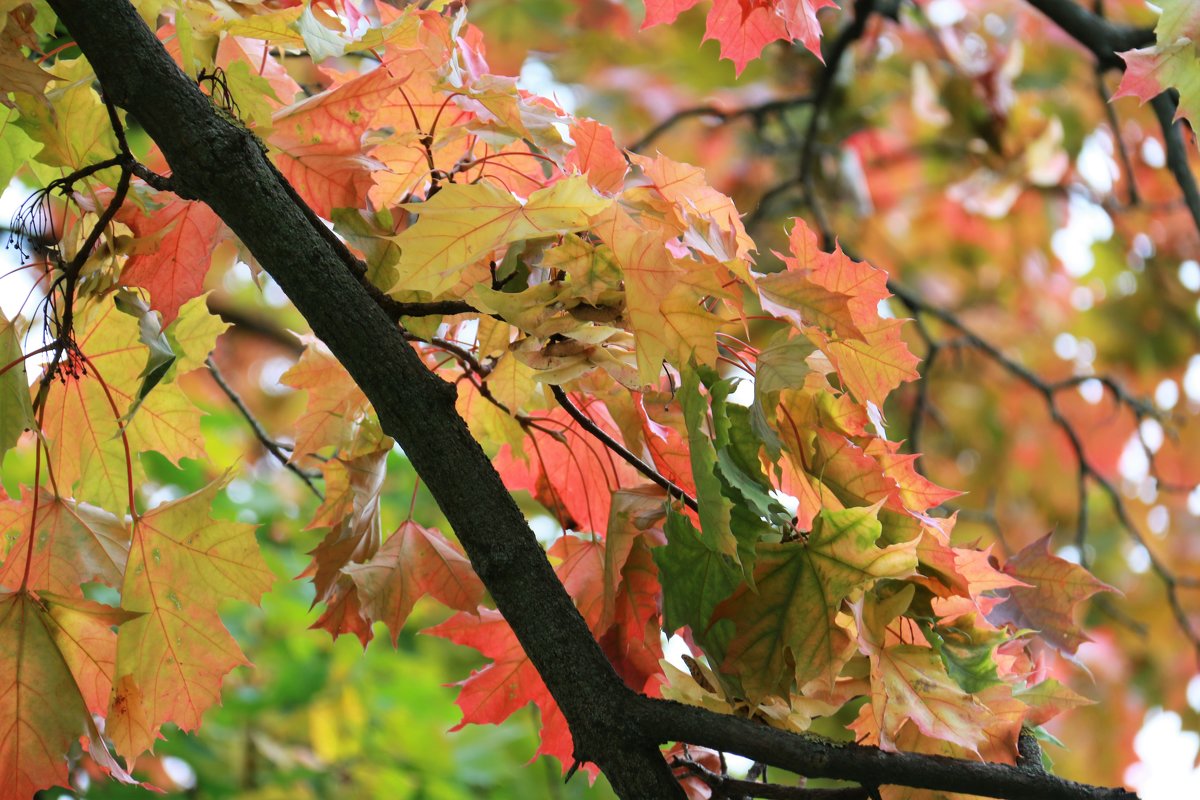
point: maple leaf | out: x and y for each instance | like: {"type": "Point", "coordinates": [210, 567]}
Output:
{"type": "Point", "coordinates": [800, 17]}
{"type": "Point", "coordinates": [318, 142]}
{"type": "Point", "coordinates": [1172, 63]}
{"type": "Point", "coordinates": [335, 403]}
{"type": "Point", "coordinates": [695, 579]}
{"type": "Point", "coordinates": [664, 12]}
{"type": "Point", "coordinates": [743, 28]}
{"type": "Point", "coordinates": [835, 301]}
{"type": "Point", "coordinates": [630, 621]}
{"type": "Point", "coordinates": [85, 447]}
{"type": "Point", "coordinates": [173, 252]}
{"type": "Point", "coordinates": [1047, 602]}
{"type": "Point", "coordinates": [1048, 699]}
{"type": "Point", "coordinates": [413, 561]}
{"type": "Point", "coordinates": [56, 662]}
{"type": "Point", "coordinates": [909, 683]}
{"type": "Point", "coordinates": [567, 471]}
{"type": "Point", "coordinates": [665, 312]}
{"type": "Point", "coordinates": [683, 191]}
{"type": "Point", "coordinates": [801, 586]}
{"type": "Point", "coordinates": [351, 511]}
{"type": "Point", "coordinates": [461, 224]}
{"type": "Point", "coordinates": [18, 73]}
{"type": "Point", "coordinates": [73, 126]}
{"type": "Point", "coordinates": [73, 544]}
{"type": "Point", "coordinates": [1150, 71]}
{"type": "Point", "coordinates": [172, 658]}
{"type": "Point", "coordinates": [596, 155]}
{"type": "Point", "coordinates": [715, 509]}
{"type": "Point", "coordinates": [491, 694]}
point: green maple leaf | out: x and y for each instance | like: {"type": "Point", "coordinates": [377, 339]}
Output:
{"type": "Point", "coordinates": [787, 630]}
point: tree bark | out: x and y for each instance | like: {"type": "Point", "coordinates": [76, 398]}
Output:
{"type": "Point", "coordinates": [221, 164]}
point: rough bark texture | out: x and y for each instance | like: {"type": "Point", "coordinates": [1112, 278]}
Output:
{"type": "Point", "coordinates": [222, 165]}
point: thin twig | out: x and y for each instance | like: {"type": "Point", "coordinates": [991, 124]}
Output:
{"type": "Point", "coordinates": [271, 446]}
{"type": "Point", "coordinates": [612, 444]}
{"type": "Point", "coordinates": [757, 112]}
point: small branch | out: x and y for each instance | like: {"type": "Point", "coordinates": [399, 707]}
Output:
{"type": "Point", "coordinates": [433, 308]}
{"type": "Point", "coordinates": [756, 112]}
{"type": "Point", "coordinates": [833, 60]}
{"type": "Point", "coordinates": [271, 446]}
{"type": "Point", "coordinates": [612, 444]}
{"type": "Point", "coordinates": [1115, 125]}
{"type": "Point", "coordinates": [725, 786]}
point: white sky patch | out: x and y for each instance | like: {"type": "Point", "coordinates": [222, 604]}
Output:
{"type": "Point", "coordinates": [270, 375]}
{"type": "Point", "coordinates": [785, 500]}
{"type": "Point", "coordinates": [163, 494]}
{"type": "Point", "coordinates": [1158, 520]}
{"type": "Point", "coordinates": [1069, 552]}
{"type": "Point", "coordinates": [1152, 434]}
{"type": "Point", "coordinates": [1096, 164]}
{"type": "Point", "coordinates": [179, 771]}
{"type": "Point", "coordinates": [1153, 153]}
{"type": "Point", "coordinates": [536, 77]}
{"type": "Point", "coordinates": [1191, 379]}
{"type": "Point", "coordinates": [1087, 223]}
{"type": "Point", "coordinates": [1189, 275]}
{"type": "Point", "coordinates": [1167, 766]}
{"type": "Point", "coordinates": [674, 649]}
{"type": "Point", "coordinates": [1166, 394]}
{"type": "Point", "coordinates": [1138, 559]}
{"type": "Point", "coordinates": [743, 391]}
{"type": "Point", "coordinates": [13, 288]}
{"type": "Point", "coordinates": [273, 294]}
{"type": "Point", "coordinates": [1193, 692]}
{"type": "Point", "coordinates": [1133, 464]}
{"type": "Point", "coordinates": [944, 13]}
{"type": "Point", "coordinates": [545, 528]}
{"type": "Point", "coordinates": [1066, 346]}
{"type": "Point", "coordinates": [1193, 502]}
{"type": "Point", "coordinates": [1092, 391]}
{"type": "Point", "coordinates": [237, 276]}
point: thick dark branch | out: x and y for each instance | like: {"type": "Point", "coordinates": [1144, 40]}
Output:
{"type": "Point", "coordinates": [815, 757]}
{"type": "Point", "coordinates": [1105, 39]}
{"type": "Point", "coordinates": [222, 164]}
{"type": "Point", "coordinates": [1165, 106]}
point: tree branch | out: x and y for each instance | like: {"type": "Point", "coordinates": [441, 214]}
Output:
{"type": "Point", "coordinates": [1165, 106]}
{"type": "Point", "coordinates": [267, 442]}
{"type": "Point", "coordinates": [1103, 38]}
{"type": "Point", "coordinates": [612, 444]}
